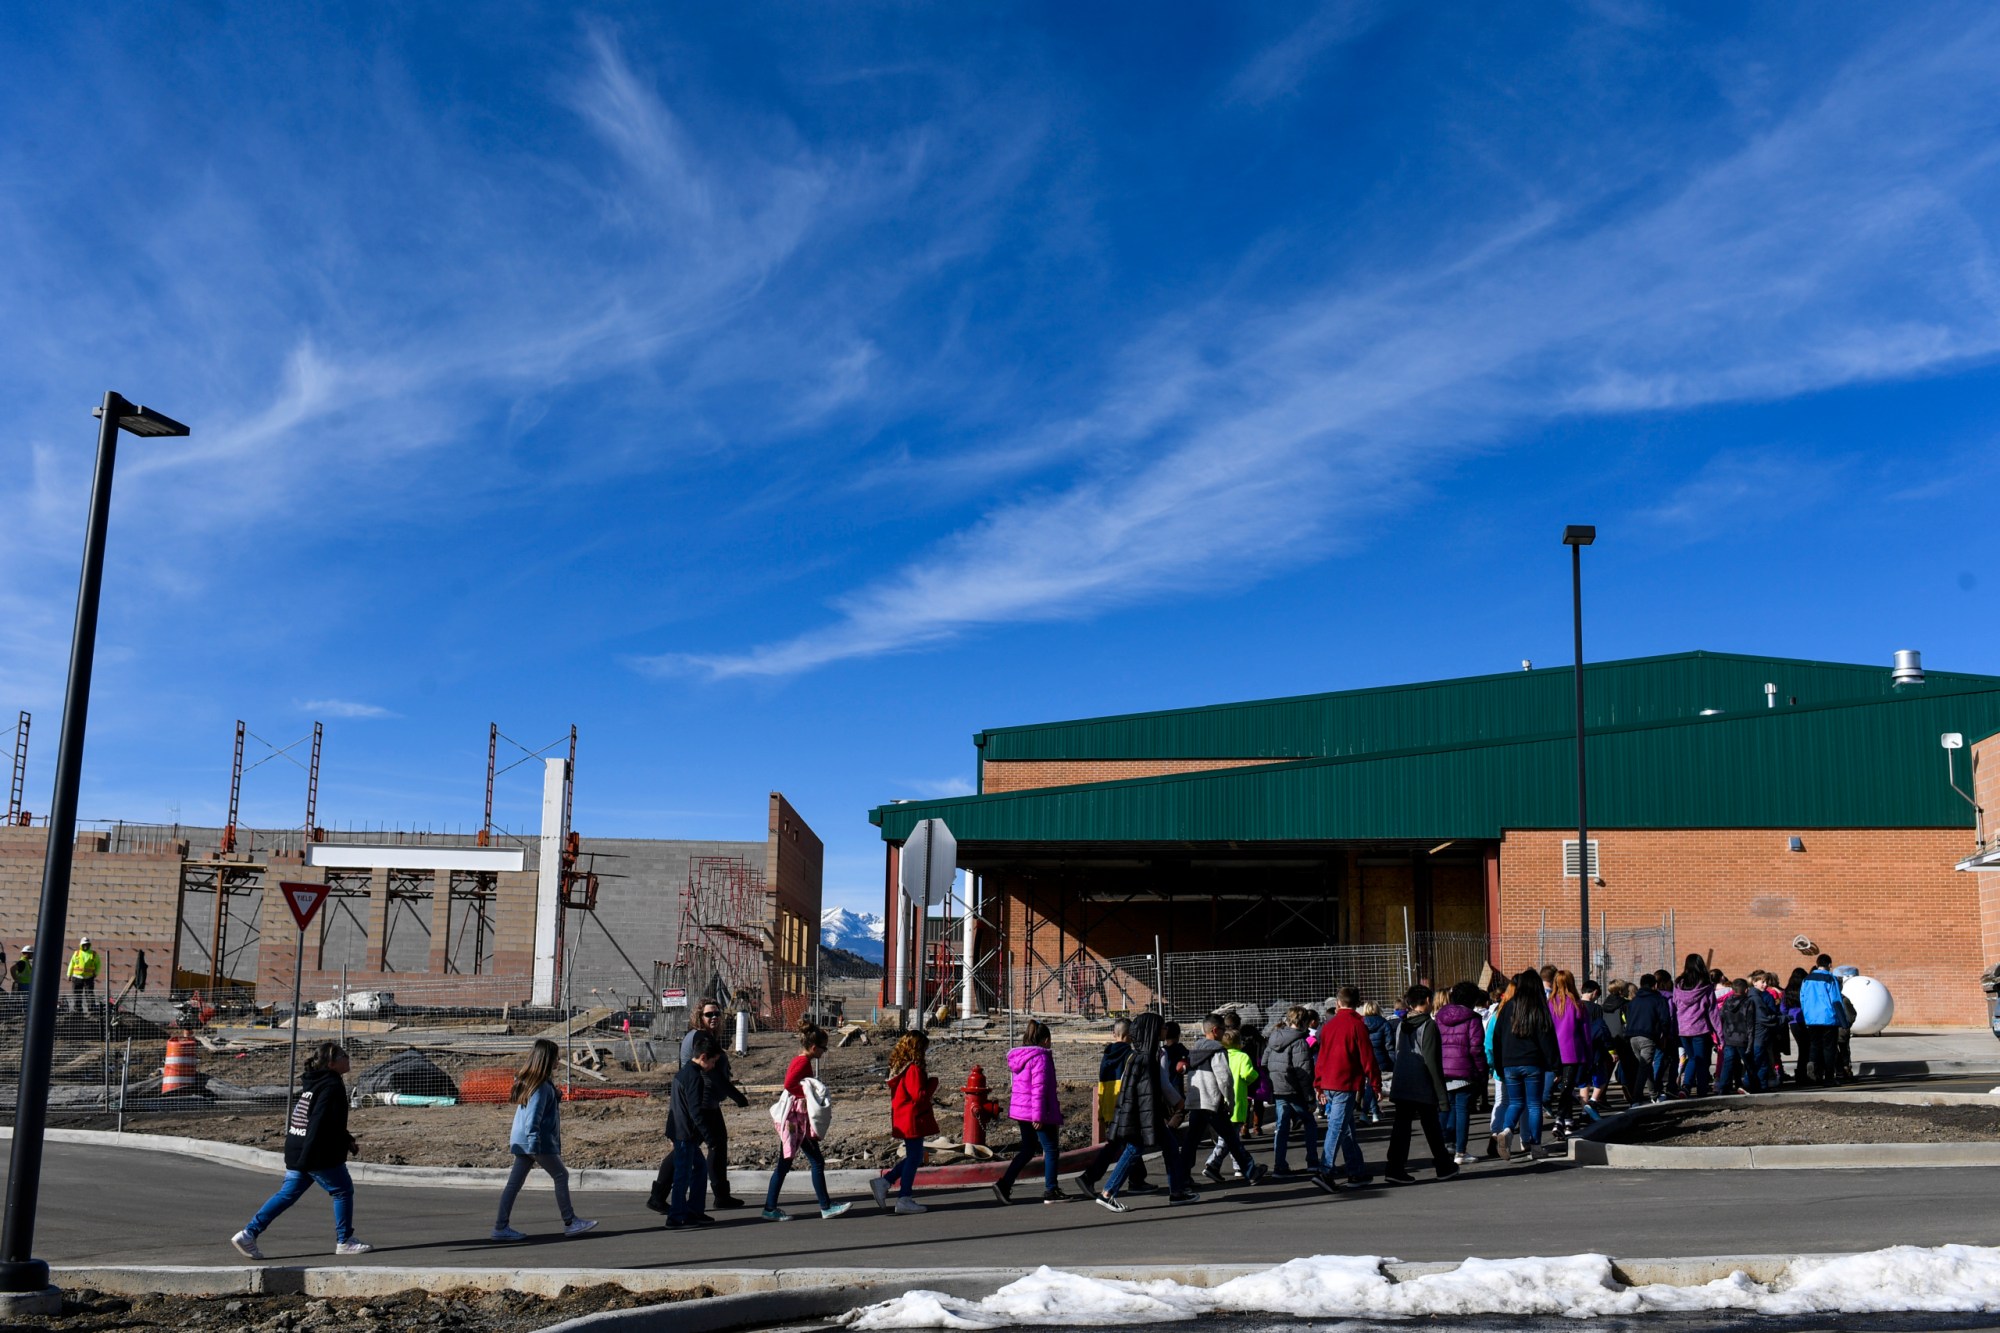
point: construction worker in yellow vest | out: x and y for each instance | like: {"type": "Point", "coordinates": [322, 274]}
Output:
{"type": "Point", "coordinates": [23, 971]}
{"type": "Point", "coordinates": [83, 969]}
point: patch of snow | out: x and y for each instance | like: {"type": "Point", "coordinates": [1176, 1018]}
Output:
{"type": "Point", "coordinates": [1947, 1279]}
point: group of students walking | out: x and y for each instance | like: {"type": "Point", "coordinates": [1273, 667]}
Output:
{"type": "Point", "coordinates": [1537, 1049]}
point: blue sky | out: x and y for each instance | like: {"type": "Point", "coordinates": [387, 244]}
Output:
{"type": "Point", "coordinates": [782, 393]}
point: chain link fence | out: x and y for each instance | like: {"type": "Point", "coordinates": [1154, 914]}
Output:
{"type": "Point", "coordinates": [422, 1041]}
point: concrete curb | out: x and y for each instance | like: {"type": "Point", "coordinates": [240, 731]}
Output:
{"type": "Point", "coordinates": [723, 1299]}
{"type": "Point", "coordinates": [1592, 1147]}
{"type": "Point", "coordinates": [798, 1184]}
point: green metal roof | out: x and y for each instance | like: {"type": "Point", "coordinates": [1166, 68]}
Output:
{"type": "Point", "coordinates": [1871, 763]}
{"type": "Point", "coordinates": [1456, 712]}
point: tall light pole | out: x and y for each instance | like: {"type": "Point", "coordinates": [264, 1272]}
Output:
{"type": "Point", "coordinates": [1577, 536]}
{"type": "Point", "coordinates": [20, 1273]}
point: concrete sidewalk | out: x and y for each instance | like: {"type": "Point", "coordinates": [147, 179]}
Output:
{"type": "Point", "coordinates": [1915, 1052]}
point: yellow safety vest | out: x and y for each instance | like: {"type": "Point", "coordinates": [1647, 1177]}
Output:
{"type": "Point", "coordinates": [83, 965]}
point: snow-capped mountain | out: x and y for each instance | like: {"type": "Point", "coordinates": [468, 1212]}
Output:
{"type": "Point", "coordinates": [857, 932]}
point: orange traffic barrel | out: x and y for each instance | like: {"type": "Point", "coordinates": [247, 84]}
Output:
{"type": "Point", "coordinates": [179, 1075]}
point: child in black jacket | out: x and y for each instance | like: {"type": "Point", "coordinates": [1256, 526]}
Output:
{"type": "Point", "coordinates": [686, 1123]}
{"type": "Point", "coordinates": [316, 1147]}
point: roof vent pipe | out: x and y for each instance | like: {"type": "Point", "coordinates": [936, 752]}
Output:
{"type": "Point", "coordinates": [1909, 668]}
{"type": "Point", "coordinates": [1770, 695]}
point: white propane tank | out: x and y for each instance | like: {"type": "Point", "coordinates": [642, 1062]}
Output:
{"type": "Point", "coordinates": [1873, 1005]}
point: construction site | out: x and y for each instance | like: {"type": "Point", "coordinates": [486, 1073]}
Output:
{"type": "Point", "coordinates": [433, 955]}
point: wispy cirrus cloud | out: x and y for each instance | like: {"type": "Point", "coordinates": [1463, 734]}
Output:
{"type": "Point", "coordinates": [1851, 241]}
{"type": "Point", "coordinates": [345, 708]}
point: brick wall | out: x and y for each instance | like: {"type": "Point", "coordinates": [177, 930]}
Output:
{"type": "Point", "coordinates": [1885, 900]}
{"type": "Point", "coordinates": [1984, 765]}
{"type": "Point", "coordinates": [1020, 774]}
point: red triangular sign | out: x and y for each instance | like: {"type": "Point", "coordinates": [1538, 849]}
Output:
{"type": "Point", "coordinates": [304, 900]}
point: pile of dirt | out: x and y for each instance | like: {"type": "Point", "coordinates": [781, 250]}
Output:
{"type": "Point", "coordinates": [1737, 1122]}
{"type": "Point", "coordinates": [629, 1133]}
{"type": "Point", "coordinates": [461, 1311]}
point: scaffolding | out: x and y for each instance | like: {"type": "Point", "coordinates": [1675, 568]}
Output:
{"type": "Point", "coordinates": [720, 951]}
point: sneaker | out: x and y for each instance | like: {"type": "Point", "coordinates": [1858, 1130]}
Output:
{"type": "Point", "coordinates": [1184, 1196]}
{"type": "Point", "coordinates": [907, 1206]}
{"type": "Point", "coordinates": [702, 1220]}
{"type": "Point", "coordinates": [1446, 1172]}
{"type": "Point", "coordinates": [1210, 1171]}
{"type": "Point", "coordinates": [1147, 1187]}
{"type": "Point", "coordinates": [1110, 1201]}
{"type": "Point", "coordinates": [1399, 1178]}
{"type": "Point", "coordinates": [1464, 1159]}
{"type": "Point", "coordinates": [676, 1223]}
{"type": "Point", "coordinates": [832, 1211]}
{"type": "Point", "coordinates": [576, 1226]}
{"type": "Point", "coordinates": [776, 1215]}
{"type": "Point", "coordinates": [1537, 1152]}
{"type": "Point", "coordinates": [879, 1187]}
{"type": "Point", "coordinates": [1360, 1182]}
{"type": "Point", "coordinates": [246, 1245]}
{"type": "Point", "coordinates": [1326, 1183]}
{"type": "Point", "coordinates": [1003, 1191]}
{"type": "Point", "coordinates": [1259, 1174]}
{"type": "Point", "coordinates": [1056, 1196]}
{"type": "Point", "coordinates": [353, 1247]}
{"type": "Point", "coordinates": [506, 1233]}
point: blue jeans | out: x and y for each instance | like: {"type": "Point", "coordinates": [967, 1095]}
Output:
{"type": "Point", "coordinates": [1340, 1140]}
{"type": "Point", "coordinates": [906, 1170]}
{"type": "Point", "coordinates": [1737, 1067]}
{"type": "Point", "coordinates": [1031, 1138]}
{"type": "Point", "coordinates": [814, 1159]}
{"type": "Point", "coordinates": [1170, 1156]}
{"type": "Point", "coordinates": [517, 1176]}
{"type": "Point", "coordinates": [1371, 1104]}
{"type": "Point", "coordinates": [1694, 1064]}
{"type": "Point", "coordinates": [333, 1179]}
{"type": "Point", "coordinates": [1521, 1090]}
{"type": "Point", "coordinates": [1295, 1116]}
{"type": "Point", "coordinates": [689, 1197]}
{"type": "Point", "coordinates": [1457, 1110]}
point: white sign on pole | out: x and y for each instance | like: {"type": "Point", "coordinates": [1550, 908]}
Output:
{"type": "Point", "coordinates": [925, 872]}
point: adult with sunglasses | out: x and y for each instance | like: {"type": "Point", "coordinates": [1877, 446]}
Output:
{"type": "Point", "coordinates": [708, 1019]}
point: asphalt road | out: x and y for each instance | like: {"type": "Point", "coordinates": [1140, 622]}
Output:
{"type": "Point", "coordinates": [116, 1205]}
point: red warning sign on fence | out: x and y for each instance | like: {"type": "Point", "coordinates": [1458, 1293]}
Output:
{"type": "Point", "coordinates": [304, 900]}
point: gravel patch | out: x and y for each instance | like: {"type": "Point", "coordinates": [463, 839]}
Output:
{"type": "Point", "coordinates": [1745, 1121]}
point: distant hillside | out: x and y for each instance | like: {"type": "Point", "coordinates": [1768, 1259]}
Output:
{"type": "Point", "coordinates": [841, 963]}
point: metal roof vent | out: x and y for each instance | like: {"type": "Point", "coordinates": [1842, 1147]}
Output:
{"type": "Point", "coordinates": [1909, 668]}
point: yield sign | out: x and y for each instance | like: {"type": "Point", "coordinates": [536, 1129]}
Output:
{"type": "Point", "coordinates": [304, 900]}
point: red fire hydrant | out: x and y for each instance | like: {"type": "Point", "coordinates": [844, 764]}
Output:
{"type": "Point", "coordinates": [979, 1108]}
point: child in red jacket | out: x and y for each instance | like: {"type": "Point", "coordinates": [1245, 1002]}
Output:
{"type": "Point", "coordinates": [911, 1115]}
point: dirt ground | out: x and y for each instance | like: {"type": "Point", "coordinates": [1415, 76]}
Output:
{"type": "Point", "coordinates": [628, 1133]}
{"type": "Point", "coordinates": [87, 1311]}
{"type": "Point", "coordinates": [1751, 1122]}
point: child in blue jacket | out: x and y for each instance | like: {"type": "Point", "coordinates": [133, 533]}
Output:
{"type": "Point", "coordinates": [536, 1140]}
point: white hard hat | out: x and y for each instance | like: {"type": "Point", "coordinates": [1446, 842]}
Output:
{"type": "Point", "coordinates": [27, 948]}
{"type": "Point", "coordinates": [83, 939]}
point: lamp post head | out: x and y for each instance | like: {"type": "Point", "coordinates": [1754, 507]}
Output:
{"type": "Point", "coordinates": [141, 420]}
{"type": "Point", "coordinates": [1579, 534]}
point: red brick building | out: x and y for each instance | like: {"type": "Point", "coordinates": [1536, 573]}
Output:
{"type": "Point", "coordinates": [1747, 805]}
